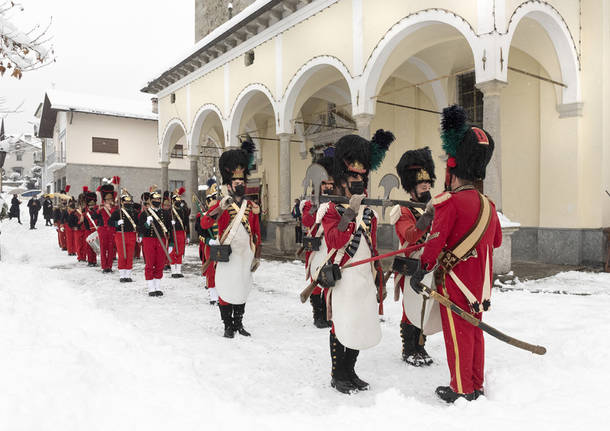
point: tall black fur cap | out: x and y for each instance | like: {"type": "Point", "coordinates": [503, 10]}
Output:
{"type": "Point", "coordinates": [473, 154]}
{"type": "Point", "coordinates": [234, 158]}
{"type": "Point", "coordinates": [469, 148]}
{"type": "Point", "coordinates": [411, 163]}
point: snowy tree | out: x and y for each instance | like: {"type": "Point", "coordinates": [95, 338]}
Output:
{"type": "Point", "coordinates": [21, 51]}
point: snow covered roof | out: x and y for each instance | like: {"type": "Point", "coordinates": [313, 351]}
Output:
{"type": "Point", "coordinates": [222, 39]}
{"type": "Point", "coordinates": [102, 105]}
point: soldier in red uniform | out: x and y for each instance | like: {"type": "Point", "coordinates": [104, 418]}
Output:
{"type": "Point", "coordinates": [313, 229]}
{"type": "Point", "coordinates": [460, 247]}
{"type": "Point", "coordinates": [179, 217]}
{"type": "Point", "coordinates": [152, 245]}
{"type": "Point", "coordinates": [350, 233]}
{"type": "Point", "coordinates": [144, 205]}
{"type": "Point", "coordinates": [104, 229]}
{"type": "Point", "coordinates": [75, 223]}
{"type": "Point", "coordinates": [238, 227]}
{"type": "Point", "coordinates": [90, 222]}
{"type": "Point", "coordinates": [68, 228]}
{"type": "Point", "coordinates": [125, 220]}
{"type": "Point", "coordinates": [80, 233]}
{"type": "Point", "coordinates": [416, 172]}
{"type": "Point", "coordinates": [208, 231]}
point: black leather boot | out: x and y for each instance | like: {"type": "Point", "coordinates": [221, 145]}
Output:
{"type": "Point", "coordinates": [329, 324]}
{"type": "Point", "coordinates": [351, 356]}
{"type": "Point", "coordinates": [340, 381]}
{"type": "Point", "coordinates": [448, 395]}
{"type": "Point", "coordinates": [319, 314]}
{"type": "Point", "coordinates": [412, 352]}
{"type": "Point", "coordinates": [238, 315]}
{"type": "Point", "coordinates": [226, 312]}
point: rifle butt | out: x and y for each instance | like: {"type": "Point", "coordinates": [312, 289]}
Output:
{"type": "Point", "coordinates": [306, 293]}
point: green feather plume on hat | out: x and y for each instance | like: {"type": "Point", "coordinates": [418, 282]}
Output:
{"type": "Point", "coordinates": [454, 126]}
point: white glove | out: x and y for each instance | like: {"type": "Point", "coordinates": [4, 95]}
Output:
{"type": "Point", "coordinates": [173, 222]}
{"type": "Point", "coordinates": [226, 202]}
{"type": "Point", "coordinates": [139, 239]}
{"type": "Point", "coordinates": [214, 242]}
{"type": "Point", "coordinates": [120, 222]}
{"type": "Point", "coordinates": [62, 229]}
{"type": "Point", "coordinates": [188, 240]}
{"type": "Point", "coordinates": [169, 249]}
{"type": "Point", "coordinates": [149, 220]}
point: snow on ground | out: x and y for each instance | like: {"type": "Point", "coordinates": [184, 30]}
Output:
{"type": "Point", "coordinates": [81, 351]}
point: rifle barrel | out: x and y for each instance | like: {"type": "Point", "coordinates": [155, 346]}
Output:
{"type": "Point", "coordinates": [373, 202]}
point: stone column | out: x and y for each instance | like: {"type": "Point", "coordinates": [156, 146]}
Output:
{"type": "Point", "coordinates": [164, 175]}
{"type": "Point", "coordinates": [284, 177]}
{"type": "Point", "coordinates": [363, 123]}
{"type": "Point", "coordinates": [191, 190]}
{"type": "Point", "coordinates": [491, 123]}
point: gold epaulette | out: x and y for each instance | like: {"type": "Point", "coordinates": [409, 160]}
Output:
{"type": "Point", "coordinates": [441, 198]}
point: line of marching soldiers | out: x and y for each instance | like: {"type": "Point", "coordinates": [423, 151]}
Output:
{"type": "Point", "coordinates": [157, 229]}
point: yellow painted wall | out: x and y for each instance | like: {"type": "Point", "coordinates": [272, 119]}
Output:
{"type": "Point", "coordinates": [568, 9]}
{"type": "Point", "coordinates": [327, 33]}
{"type": "Point", "coordinates": [137, 140]}
{"type": "Point", "coordinates": [592, 142]}
{"type": "Point", "coordinates": [559, 174]}
{"type": "Point", "coordinates": [209, 89]}
{"type": "Point", "coordinates": [520, 128]}
{"type": "Point", "coordinates": [263, 69]}
{"type": "Point", "coordinates": [378, 21]}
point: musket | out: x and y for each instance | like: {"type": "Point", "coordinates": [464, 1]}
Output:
{"type": "Point", "coordinates": [538, 350]}
{"type": "Point", "coordinates": [159, 237]}
{"type": "Point", "coordinates": [373, 202]}
{"type": "Point", "coordinates": [198, 202]}
{"type": "Point", "coordinates": [306, 293]}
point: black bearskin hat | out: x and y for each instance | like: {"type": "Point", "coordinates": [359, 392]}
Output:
{"type": "Point", "coordinates": [469, 148]}
{"type": "Point", "coordinates": [107, 189]}
{"type": "Point", "coordinates": [356, 154]}
{"type": "Point", "coordinates": [236, 163]}
{"type": "Point", "coordinates": [414, 167]}
{"type": "Point", "coordinates": [90, 197]}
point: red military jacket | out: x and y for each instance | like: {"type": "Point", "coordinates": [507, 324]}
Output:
{"type": "Point", "coordinates": [104, 216]}
{"type": "Point", "coordinates": [308, 220]}
{"type": "Point", "coordinates": [255, 231]}
{"type": "Point", "coordinates": [454, 214]}
{"type": "Point", "coordinates": [336, 239]}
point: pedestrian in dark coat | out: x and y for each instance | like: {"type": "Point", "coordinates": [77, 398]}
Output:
{"type": "Point", "coordinates": [14, 211]}
{"type": "Point", "coordinates": [34, 206]}
{"type": "Point", "coordinates": [47, 210]}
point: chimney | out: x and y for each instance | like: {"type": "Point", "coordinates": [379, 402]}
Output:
{"type": "Point", "coordinates": [155, 105]}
